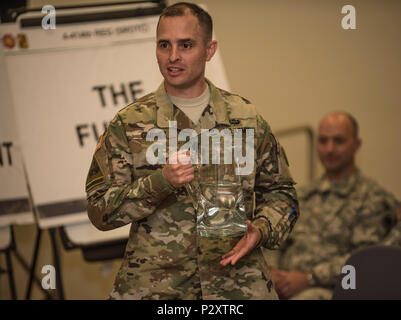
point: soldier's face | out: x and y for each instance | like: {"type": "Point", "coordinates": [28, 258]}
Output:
{"type": "Point", "coordinates": [182, 54]}
{"type": "Point", "coordinates": [337, 144]}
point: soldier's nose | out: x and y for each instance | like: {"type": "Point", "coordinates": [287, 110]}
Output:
{"type": "Point", "coordinates": [174, 55]}
{"type": "Point", "coordinates": [330, 147]}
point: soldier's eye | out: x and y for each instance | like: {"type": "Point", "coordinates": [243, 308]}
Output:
{"type": "Point", "coordinates": [187, 45]}
{"type": "Point", "coordinates": [163, 45]}
{"type": "Point", "coordinates": [339, 140]}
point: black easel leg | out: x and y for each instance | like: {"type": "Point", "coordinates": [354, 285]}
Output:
{"type": "Point", "coordinates": [33, 265]}
{"type": "Point", "coordinates": [10, 275]}
{"type": "Point", "coordinates": [57, 266]}
{"type": "Point", "coordinates": [25, 265]}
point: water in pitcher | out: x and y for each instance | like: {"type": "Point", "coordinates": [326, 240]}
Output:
{"type": "Point", "coordinates": [221, 211]}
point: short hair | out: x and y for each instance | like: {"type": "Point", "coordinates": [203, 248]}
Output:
{"type": "Point", "coordinates": [182, 8]}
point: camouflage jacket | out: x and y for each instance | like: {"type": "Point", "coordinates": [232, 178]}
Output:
{"type": "Point", "coordinates": [394, 238]}
{"type": "Point", "coordinates": [337, 218]}
{"type": "Point", "coordinates": [164, 258]}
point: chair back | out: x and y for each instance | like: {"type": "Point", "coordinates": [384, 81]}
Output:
{"type": "Point", "coordinates": [377, 272]}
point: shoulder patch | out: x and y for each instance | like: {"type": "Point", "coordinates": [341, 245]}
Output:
{"type": "Point", "coordinates": [95, 175]}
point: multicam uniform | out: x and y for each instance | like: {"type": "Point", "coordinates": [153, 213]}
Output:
{"type": "Point", "coordinates": [165, 258]}
{"type": "Point", "coordinates": [337, 218]}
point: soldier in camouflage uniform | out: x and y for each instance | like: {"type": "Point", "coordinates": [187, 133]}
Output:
{"type": "Point", "coordinates": [341, 212]}
{"type": "Point", "coordinates": [394, 238]}
{"type": "Point", "coordinates": [164, 257]}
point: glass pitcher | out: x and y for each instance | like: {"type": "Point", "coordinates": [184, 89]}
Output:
{"type": "Point", "coordinates": [217, 196]}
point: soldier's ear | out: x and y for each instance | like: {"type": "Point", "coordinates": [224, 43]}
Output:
{"type": "Point", "coordinates": [358, 143]}
{"type": "Point", "coordinates": [211, 48]}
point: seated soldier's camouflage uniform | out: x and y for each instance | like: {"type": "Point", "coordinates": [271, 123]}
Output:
{"type": "Point", "coordinates": [165, 258]}
{"type": "Point", "coordinates": [337, 218]}
{"type": "Point", "coordinates": [394, 238]}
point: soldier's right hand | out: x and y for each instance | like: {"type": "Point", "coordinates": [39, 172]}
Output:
{"type": "Point", "coordinates": [179, 170]}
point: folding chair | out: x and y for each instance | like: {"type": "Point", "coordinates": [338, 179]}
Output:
{"type": "Point", "coordinates": [377, 275]}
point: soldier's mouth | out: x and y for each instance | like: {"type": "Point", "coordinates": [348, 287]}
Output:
{"type": "Point", "coordinates": [174, 71]}
{"type": "Point", "coordinates": [332, 160]}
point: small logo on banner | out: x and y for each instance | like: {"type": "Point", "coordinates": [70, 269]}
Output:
{"type": "Point", "coordinates": [8, 41]}
{"type": "Point", "coordinates": [22, 41]}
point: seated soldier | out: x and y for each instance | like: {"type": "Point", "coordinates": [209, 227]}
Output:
{"type": "Point", "coordinates": [394, 238]}
{"type": "Point", "coordinates": [341, 212]}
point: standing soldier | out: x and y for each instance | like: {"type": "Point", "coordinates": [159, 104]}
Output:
{"type": "Point", "coordinates": [165, 258]}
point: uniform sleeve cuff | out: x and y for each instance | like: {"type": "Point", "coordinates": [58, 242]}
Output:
{"type": "Point", "coordinates": [263, 227]}
{"type": "Point", "coordinates": [158, 186]}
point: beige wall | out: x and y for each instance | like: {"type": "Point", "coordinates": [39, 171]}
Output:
{"type": "Point", "coordinates": [293, 60]}
{"type": "Point", "coordinates": [296, 63]}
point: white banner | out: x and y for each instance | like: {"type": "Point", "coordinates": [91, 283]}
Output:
{"type": "Point", "coordinates": [66, 85]}
{"type": "Point", "coordinates": [15, 207]}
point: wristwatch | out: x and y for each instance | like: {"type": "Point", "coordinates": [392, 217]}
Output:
{"type": "Point", "coordinates": [311, 280]}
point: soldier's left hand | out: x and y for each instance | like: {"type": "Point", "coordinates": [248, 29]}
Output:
{"type": "Point", "coordinates": [289, 283]}
{"type": "Point", "coordinates": [244, 246]}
